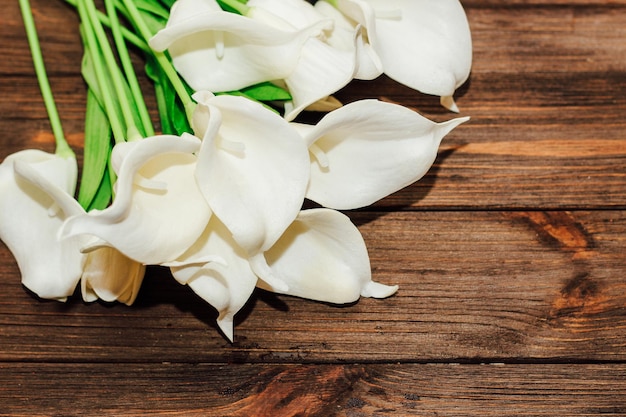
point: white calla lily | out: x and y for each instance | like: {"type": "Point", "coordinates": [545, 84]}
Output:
{"type": "Point", "coordinates": [111, 276]}
{"type": "Point", "coordinates": [292, 13]}
{"type": "Point", "coordinates": [158, 211]}
{"type": "Point", "coordinates": [253, 168]}
{"type": "Point", "coordinates": [104, 273]}
{"type": "Point", "coordinates": [217, 269]}
{"type": "Point", "coordinates": [368, 64]}
{"type": "Point", "coordinates": [322, 69]}
{"type": "Point", "coordinates": [423, 44]}
{"type": "Point", "coordinates": [322, 256]}
{"type": "Point", "coordinates": [218, 51]}
{"type": "Point", "coordinates": [368, 149]}
{"type": "Point", "coordinates": [30, 219]}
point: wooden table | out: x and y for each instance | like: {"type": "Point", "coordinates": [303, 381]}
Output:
{"type": "Point", "coordinates": [510, 255]}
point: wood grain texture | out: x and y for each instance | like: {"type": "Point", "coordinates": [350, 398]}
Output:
{"type": "Point", "coordinates": [314, 390]}
{"type": "Point", "coordinates": [474, 286]}
{"type": "Point", "coordinates": [512, 250]}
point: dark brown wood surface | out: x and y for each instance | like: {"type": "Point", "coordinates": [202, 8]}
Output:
{"type": "Point", "coordinates": [510, 255]}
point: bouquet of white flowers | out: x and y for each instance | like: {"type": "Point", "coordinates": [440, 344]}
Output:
{"type": "Point", "coordinates": [218, 193]}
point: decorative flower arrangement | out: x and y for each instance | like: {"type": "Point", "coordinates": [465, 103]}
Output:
{"type": "Point", "coordinates": [218, 195]}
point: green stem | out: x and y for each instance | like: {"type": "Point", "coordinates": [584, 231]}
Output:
{"type": "Point", "coordinates": [62, 147]}
{"type": "Point", "coordinates": [127, 65]}
{"type": "Point", "coordinates": [114, 71]}
{"type": "Point", "coordinates": [128, 35]}
{"type": "Point", "coordinates": [162, 59]}
{"type": "Point", "coordinates": [116, 125]}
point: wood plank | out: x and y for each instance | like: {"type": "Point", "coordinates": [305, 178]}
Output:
{"type": "Point", "coordinates": [57, 25]}
{"type": "Point", "coordinates": [547, 37]}
{"type": "Point", "coordinates": [312, 390]}
{"type": "Point", "coordinates": [474, 287]}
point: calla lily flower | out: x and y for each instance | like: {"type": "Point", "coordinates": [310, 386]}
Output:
{"type": "Point", "coordinates": [253, 169]}
{"type": "Point", "coordinates": [216, 268]}
{"type": "Point", "coordinates": [30, 219]}
{"type": "Point", "coordinates": [423, 44]}
{"type": "Point", "coordinates": [284, 14]}
{"type": "Point", "coordinates": [368, 64]}
{"type": "Point", "coordinates": [217, 51]}
{"type": "Point", "coordinates": [322, 256]}
{"type": "Point", "coordinates": [368, 149]}
{"type": "Point", "coordinates": [104, 273]}
{"type": "Point", "coordinates": [322, 69]}
{"type": "Point", "coordinates": [158, 211]}
{"type": "Point", "coordinates": [110, 276]}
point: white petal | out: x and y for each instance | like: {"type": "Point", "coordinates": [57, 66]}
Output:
{"type": "Point", "coordinates": [303, 129]}
{"type": "Point", "coordinates": [151, 225]}
{"type": "Point", "coordinates": [321, 71]}
{"type": "Point", "coordinates": [257, 191]}
{"type": "Point", "coordinates": [183, 9]}
{"type": "Point", "coordinates": [259, 265]}
{"type": "Point", "coordinates": [296, 14]}
{"type": "Point", "coordinates": [111, 276]}
{"type": "Point", "coordinates": [323, 257]}
{"type": "Point", "coordinates": [427, 48]}
{"type": "Point", "coordinates": [372, 149]}
{"type": "Point", "coordinates": [448, 103]}
{"type": "Point", "coordinates": [226, 285]}
{"type": "Point", "coordinates": [205, 123]}
{"type": "Point", "coordinates": [36, 189]}
{"type": "Point", "coordinates": [221, 51]}
{"type": "Point", "coordinates": [368, 65]}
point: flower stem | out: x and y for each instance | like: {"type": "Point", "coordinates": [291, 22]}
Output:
{"type": "Point", "coordinates": [114, 72]}
{"type": "Point", "coordinates": [62, 147]}
{"type": "Point", "coordinates": [128, 35]}
{"type": "Point", "coordinates": [92, 44]}
{"type": "Point", "coordinates": [162, 59]}
{"type": "Point", "coordinates": [127, 65]}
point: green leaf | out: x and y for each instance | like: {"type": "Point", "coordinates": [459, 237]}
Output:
{"type": "Point", "coordinates": [88, 71]}
{"type": "Point", "coordinates": [171, 110]}
{"type": "Point", "coordinates": [154, 22]}
{"type": "Point", "coordinates": [266, 92]}
{"type": "Point", "coordinates": [166, 125]}
{"type": "Point", "coordinates": [152, 16]}
{"type": "Point", "coordinates": [231, 6]}
{"type": "Point", "coordinates": [156, 8]}
{"type": "Point", "coordinates": [104, 194]}
{"type": "Point", "coordinates": [154, 72]}
{"type": "Point", "coordinates": [168, 3]}
{"type": "Point", "coordinates": [178, 116]}
{"type": "Point", "coordinates": [97, 149]}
